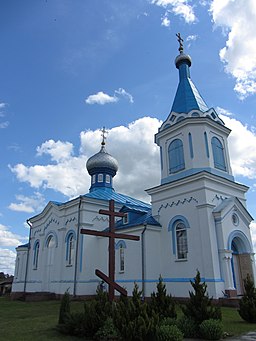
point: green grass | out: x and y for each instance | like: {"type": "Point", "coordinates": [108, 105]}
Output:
{"type": "Point", "coordinates": [37, 320]}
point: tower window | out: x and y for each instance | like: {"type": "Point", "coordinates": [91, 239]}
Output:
{"type": "Point", "coordinates": [108, 179]}
{"type": "Point", "coordinates": [93, 178]}
{"type": "Point", "coordinates": [181, 240]}
{"type": "Point", "coordinates": [121, 255]}
{"type": "Point", "coordinates": [218, 154]}
{"type": "Point", "coordinates": [36, 255]}
{"type": "Point", "coordinates": [176, 156]}
{"type": "Point", "coordinates": [100, 177]}
{"type": "Point", "coordinates": [70, 250]}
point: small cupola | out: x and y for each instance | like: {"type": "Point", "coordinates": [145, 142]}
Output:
{"type": "Point", "coordinates": [102, 167]}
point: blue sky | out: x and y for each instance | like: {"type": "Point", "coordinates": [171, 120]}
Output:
{"type": "Point", "coordinates": [68, 68]}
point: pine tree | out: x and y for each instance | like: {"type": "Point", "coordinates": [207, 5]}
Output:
{"type": "Point", "coordinates": [199, 307]}
{"type": "Point", "coordinates": [64, 308]}
{"type": "Point", "coordinates": [247, 305]}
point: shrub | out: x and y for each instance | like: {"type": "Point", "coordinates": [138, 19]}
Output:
{"type": "Point", "coordinates": [169, 333]}
{"type": "Point", "coordinates": [199, 307]}
{"type": "Point", "coordinates": [64, 307]}
{"type": "Point", "coordinates": [247, 305]}
{"type": "Point", "coordinates": [188, 327]}
{"type": "Point", "coordinates": [211, 329]}
{"type": "Point", "coordinates": [74, 325]}
{"type": "Point", "coordinates": [107, 331]}
{"type": "Point", "coordinates": [161, 303]}
{"type": "Point", "coordinates": [168, 321]}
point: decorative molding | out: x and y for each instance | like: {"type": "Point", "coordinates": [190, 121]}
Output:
{"type": "Point", "coordinates": [177, 203]}
{"type": "Point", "coordinates": [52, 220]}
{"type": "Point", "coordinates": [70, 220]}
{"type": "Point", "coordinates": [100, 218]}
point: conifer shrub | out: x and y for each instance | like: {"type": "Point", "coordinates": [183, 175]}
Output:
{"type": "Point", "coordinates": [169, 333]}
{"type": "Point", "coordinates": [108, 331]}
{"type": "Point", "coordinates": [64, 308]}
{"type": "Point", "coordinates": [211, 329]}
{"type": "Point", "coordinates": [187, 326]}
{"type": "Point", "coordinates": [74, 324]}
{"type": "Point", "coordinates": [247, 305]}
{"type": "Point", "coordinates": [162, 303]}
{"type": "Point", "coordinates": [168, 321]}
{"type": "Point", "coordinates": [199, 306]}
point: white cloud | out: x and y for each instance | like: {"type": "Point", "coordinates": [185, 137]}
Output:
{"type": "Point", "coordinates": [132, 146]}
{"type": "Point", "coordinates": [101, 98]}
{"type": "Point", "coordinates": [192, 37]}
{"type": "Point", "coordinates": [2, 105]}
{"type": "Point", "coordinates": [31, 204]}
{"type": "Point", "coordinates": [125, 94]}
{"type": "Point", "coordinates": [165, 20]}
{"type": "Point", "coordinates": [57, 150]}
{"type": "Point", "coordinates": [178, 7]}
{"type": "Point", "coordinates": [237, 19]}
{"type": "Point", "coordinates": [7, 238]}
{"type": "Point", "coordinates": [4, 125]}
{"type": "Point", "coordinates": [242, 142]}
{"type": "Point", "coordinates": [7, 261]}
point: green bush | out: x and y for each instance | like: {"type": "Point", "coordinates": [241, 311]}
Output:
{"type": "Point", "coordinates": [107, 331]}
{"type": "Point", "coordinates": [247, 305]}
{"type": "Point", "coordinates": [168, 321]}
{"type": "Point", "coordinates": [74, 325]}
{"type": "Point", "coordinates": [169, 333]}
{"type": "Point", "coordinates": [188, 327]}
{"type": "Point", "coordinates": [211, 329]}
{"type": "Point", "coordinates": [161, 303]}
{"type": "Point", "coordinates": [199, 307]}
{"type": "Point", "coordinates": [64, 308]}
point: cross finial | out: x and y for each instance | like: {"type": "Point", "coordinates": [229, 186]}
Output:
{"type": "Point", "coordinates": [180, 40]}
{"type": "Point", "coordinates": [104, 131]}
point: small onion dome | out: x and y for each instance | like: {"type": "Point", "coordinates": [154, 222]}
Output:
{"type": "Point", "coordinates": [183, 58]}
{"type": "Point", "coordinates": [102, 160]}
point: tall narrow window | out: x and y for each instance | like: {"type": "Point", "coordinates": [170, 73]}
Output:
{"type": "Point", "coordinates": [121, 257]}
{"type": "Point", "coordinates": [176, 156]}
{"type": "Point", "coordinates": [70, 250]}
{"type": "Point", "coordinates": [181, 240]}
{"type": "Point", "coordinates": [36, 255]}
{"type": "Point", "coordinates": [218, 154]}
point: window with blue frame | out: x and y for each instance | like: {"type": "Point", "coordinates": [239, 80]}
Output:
{"type": "Point", "coordinates": [36, 255]}
{"type": "Point", "coordinates": [218, 154]}
{"type": "Point", "coordinates": [176, 156]}
{"type": "Point", "coordinates": [70, 248]}
{"type": "Point", "coordinates": [181, 240]}
{"type": "Point", "coordinates": [121, 258]}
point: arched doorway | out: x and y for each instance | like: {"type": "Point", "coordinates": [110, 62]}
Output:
{"type": "Point", "coordinates": [241, 260]}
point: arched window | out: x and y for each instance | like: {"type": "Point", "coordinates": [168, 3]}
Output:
{"type": "Point", "coordinates": [50, 244]}
{"type": "Point", "coordinates": [121, 258]}
{"type": "Point", "coordinates": [70, 249]}
{"type": "Point", "coordinates": [181, 240]}
{"type": "Point", "coordinates": [176, 156]}
{"type": "Point", "coordinates": [36, 254]}
{"type": "Point", "coordinates": [218, 154]}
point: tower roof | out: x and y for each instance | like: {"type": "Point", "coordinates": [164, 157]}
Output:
{"type": "Point", "coordinates": [101, 160]}
{"type": "Point", "coordinates": [187, 97]}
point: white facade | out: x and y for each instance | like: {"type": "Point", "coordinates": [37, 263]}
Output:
{"type": "Point", "coordinates": [197, 219]}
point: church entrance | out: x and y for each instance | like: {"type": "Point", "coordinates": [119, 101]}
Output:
{"type": "Point", "coordinates": [241, 265]}
{"type": "Point", "coordinates": [50, 247]}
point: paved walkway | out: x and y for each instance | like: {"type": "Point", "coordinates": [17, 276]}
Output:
{"type": "Point", "coordinates": [246, 337]}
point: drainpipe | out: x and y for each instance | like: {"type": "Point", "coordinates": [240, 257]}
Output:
{"type": "Point", "coordinates": [77, 245]}
{"type": "Point", "coordinates": [26, 271]}
{"type": "Point", "coordinates": [143, 260]}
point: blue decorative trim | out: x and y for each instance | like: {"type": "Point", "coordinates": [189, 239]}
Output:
{"type": "Point", "coordinates": [190, 145]}
{"type": "Point", "coordinates": [54, 234]}
{"type": "Point", "coordinates": [218, 154]}
{"type": "Point", "coordinates": [177, 203]}
{"type": "Point", "coordinates": [176, 156]}
{"type": "Point", "coordinates": [206, 144]}
{"type": "Point", "coordinates": [69, 234]}
{"type": "Point", "coordinates": [161, 157]}
{"type": "Point", "coordinates": [244, 246]}
{"type": "Point", "coordinates": [192, 171]}
{"type": "Point", "coordinates": [81, 252]}
{"type": "Point", "coordinates": [120, 243]}
{"type": "Point", "coordinates": [172, 229]}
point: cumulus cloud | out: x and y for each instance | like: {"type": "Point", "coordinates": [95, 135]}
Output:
{"type": "Point", "coordinates": [242, 142]}
{"type": "Point", "coordinates": [237, 19]}
{"type": "Point", "coordinates": [57, 150]}
{"type": "Point", "coordinates": [7, 261]}
{"type": "Point", "coordinates": [7, 238]}
{"type": "Point", "coordinates": [31, 204]}
{"type": "Point", "coordinates": [102, 98]}
{"type": "Point", "coordinates": [178, 7]}
{"type": "Point", "coordinates": [133, 146]}
{"type": "Point", "coordinates": [2, 105]}
{"type": "Point", "coordinates": [165, 20]}
{"type": "Point", "coordinates": [4, 125]}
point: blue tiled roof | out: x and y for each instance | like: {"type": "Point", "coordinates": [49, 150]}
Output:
{"type": "Point", "coordinates": [108, 194]}
{"type": "Point", "coordinates": [24, 245]}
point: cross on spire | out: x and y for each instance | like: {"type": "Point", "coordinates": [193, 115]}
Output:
{"type": "Point", "coordinates": [111, 234]}
{"type": "Point", "coordinates": [104, 137]}
{"type": "Point", "coordinates": [180, 40]}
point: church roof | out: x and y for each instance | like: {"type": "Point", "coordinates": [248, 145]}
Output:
{"type": "Point", "coordinates": [108, 194]}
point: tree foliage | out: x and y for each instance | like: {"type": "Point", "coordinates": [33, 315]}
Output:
{"type": "Point", "coordinates": [247, 305]}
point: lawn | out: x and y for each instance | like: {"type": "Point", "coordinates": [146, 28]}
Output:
{"type": "Point", "coordinates": [37, 320]}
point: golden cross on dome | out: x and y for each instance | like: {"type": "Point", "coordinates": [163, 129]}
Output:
{"type": "Point", "coordinates": [104, 137]}
{"type": "Point", "coordinates": [180, 40]}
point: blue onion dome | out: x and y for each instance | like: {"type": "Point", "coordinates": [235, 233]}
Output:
{"type": "Point", "coordinates": [102, 161]}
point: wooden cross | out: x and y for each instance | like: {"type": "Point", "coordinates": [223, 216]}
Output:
{"type": "Point", "coordinates": [180, 40]}
{"type": "Point", "coordinates": [111, 234]}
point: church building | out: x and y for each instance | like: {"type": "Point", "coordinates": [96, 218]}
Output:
{"type": "Point", "coordinates": [197, 218]}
